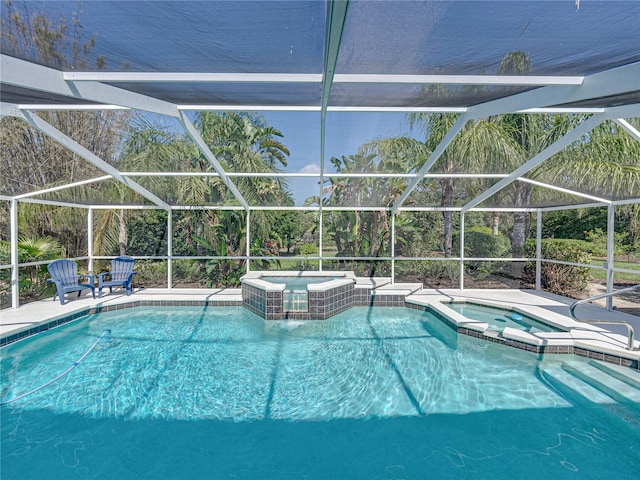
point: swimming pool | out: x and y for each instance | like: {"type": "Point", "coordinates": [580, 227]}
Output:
{"type": "Point", "coordinates": [370, 393]}
{"type": "Point", "coordinates": [499, 318]}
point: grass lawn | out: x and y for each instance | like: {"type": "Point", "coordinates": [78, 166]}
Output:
{"type": "Point", "coordinates": [617, 276]}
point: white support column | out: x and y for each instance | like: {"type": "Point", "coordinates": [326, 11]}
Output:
{"type": "Point", "coordinates": [15, 287]}
{"type": "Point", "coordinates": [611, 215]}
{"type": "Point", "coordinates": [538, 249]}
{"type": "Point", "coordinates": [169, 249]}
{"type": "Point", "coordinates": [320, 215]}
{"type": "Point", "coordinates": [336, 19]}
{"type": "Point", "coordinates": [393, 248]}
{"type": "Point", "coordinates": [462, 251]}
{"type": "Point", "coordinates": [248, 241]}
{"type": "Point", "coordinates": [90, 238]}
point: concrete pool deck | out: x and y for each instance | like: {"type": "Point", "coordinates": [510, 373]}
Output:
{"type": "Point", "coordinates": [608, 339]}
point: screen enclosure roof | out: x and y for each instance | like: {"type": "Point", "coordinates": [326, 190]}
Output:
{"type": "Point", "coordinates": [472, 58]}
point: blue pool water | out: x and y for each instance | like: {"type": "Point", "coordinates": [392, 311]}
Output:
{"type": "Point", "coordinates": [386, 393]}
{"type": "Point", "coordinates": [296, 283]}
{"type": "Point", "coordinates": [499, 318]}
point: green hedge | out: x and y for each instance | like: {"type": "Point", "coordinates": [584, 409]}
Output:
{"type": "Point", "coordinates": [566, 280]}
{"type": "Point", "coordinates": [481, 242]}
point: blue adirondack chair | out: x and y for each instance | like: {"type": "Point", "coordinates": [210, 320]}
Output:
{"type": "Point", "coordinates": [64, 273]}
{"type": "Point", "coordinates": [121, 275]}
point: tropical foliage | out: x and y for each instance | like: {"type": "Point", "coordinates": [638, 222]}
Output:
{"type": "Point", "coordinates": [32, 279]}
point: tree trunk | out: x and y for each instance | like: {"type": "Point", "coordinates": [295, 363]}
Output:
{"type": "Point", "coordinates": [519, 233]}
{"type": "Point", "coordinates": [522, 198]}
{"type": "Point", "coordinates": [496, 223]}
{"type": "Point", "coordinates": [373, 235]}
{"type": "Point", "coordinates": [122, 235]}
{"type": "Point", "coordinates": [447, 200]}
{"type": "Point", "coordinates": [357, 241]}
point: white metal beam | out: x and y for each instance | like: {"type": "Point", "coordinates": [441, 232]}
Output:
{"type": "Point", "coordinates": [375, 109]}
{"type": "Point", "coordinates": [627, 127]}
{"type": "Point", "coordinates": [24, 74]}
{"type": "Point", "coordinates": [611, 82]}
{"type": "Point", "coordinates": [611, 215]}
{"type": "Point", "coordinates": [63, 187]}
{"type": "Point", "coordinates": [9, 110]}
{"type": "Point", "coordinates": [313, 175]}
{"type": "Point", "coordinates": [90, 238]}
{"type": "Point", "coordinates": [305, 108]}
{"type": "Point", "coordinates": [571, 207]}
{"type": "Point", "coordinates": [249, 108]}
{"type": "Point", "coordinates": [564, 190]}
{"type": "Point", "coordinates": [538, 250]}
{"type": "Point", "coordinates": [192, 77]}
{"type": "Point", "coordinates": [555, 90]}
{"type": "Point", "coordinates": [92, 158]}
{"type": "Point", "coordinates": [205, 77]}
{"type": "Point", "coordinates": [71, 107]}
{"type": "Point", "coordinates": [55, 203]}
{"type": "Point", "coordinates": [563, 110]}
{"type": "Point", "coordinates": [629, 201]}
{"type": "Point", "coordinates": [460, 79]}
{"type": "Point", "coordinates": [437, 152]}
{"type": "Point", "coordinates": [552, 149]}
{"type": "Point", "coordinates": [336, 19]}
{"type": "Point", "coordinates": [204, 148]}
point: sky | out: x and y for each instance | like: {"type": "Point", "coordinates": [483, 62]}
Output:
{"type": "Point", "coordinates": [345, 133]}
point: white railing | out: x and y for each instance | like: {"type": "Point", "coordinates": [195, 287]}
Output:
{"type": "Point", "coordinates": [631, 332]}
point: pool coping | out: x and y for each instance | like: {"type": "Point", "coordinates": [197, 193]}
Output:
{"type": "Point", "coordinates": [581, 339]}
{"type": "Point", "coordinates": [92, 310]}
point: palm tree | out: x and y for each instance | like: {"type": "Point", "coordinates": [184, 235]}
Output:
{"type": "Point", "coordinates": [609, 154]}
{"type": "Point", "coordinates": [478, 148]}
{"type": "Point", "coordinates": [244, 143]}
{"type": "Point", "coordinates": [530, 134]}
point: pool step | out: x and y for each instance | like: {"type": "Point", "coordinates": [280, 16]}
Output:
{"type": "Point", "coordinates": [624, 374]}
{"type": "Point", "coordinates": [617, 389]}
{"type": "Point", "coordinates": [562, 379]}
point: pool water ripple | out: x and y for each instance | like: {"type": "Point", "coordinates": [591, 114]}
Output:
{"type": "Point", "coordinates": [368, 394]}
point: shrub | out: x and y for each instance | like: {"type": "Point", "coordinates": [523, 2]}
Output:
{"type": "Point", "coordinates": [566, 280]}
{"type": "Point", "coordinates": [308, 249]}
{"type": "Point", "coordinates": [151, 273]}
{"type": "Point", "coordinates": [481, 242]}
{"type": "Point", "coordinates": [432, 273]}
{"type": "Point", "coordinates": [32, 280]}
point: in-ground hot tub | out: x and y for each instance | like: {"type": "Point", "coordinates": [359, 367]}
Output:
{"type": "Point", "coordinates": [277, 295]}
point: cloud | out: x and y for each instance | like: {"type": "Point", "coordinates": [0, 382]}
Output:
{"type": "Point", "coordinates": [311, 168]}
